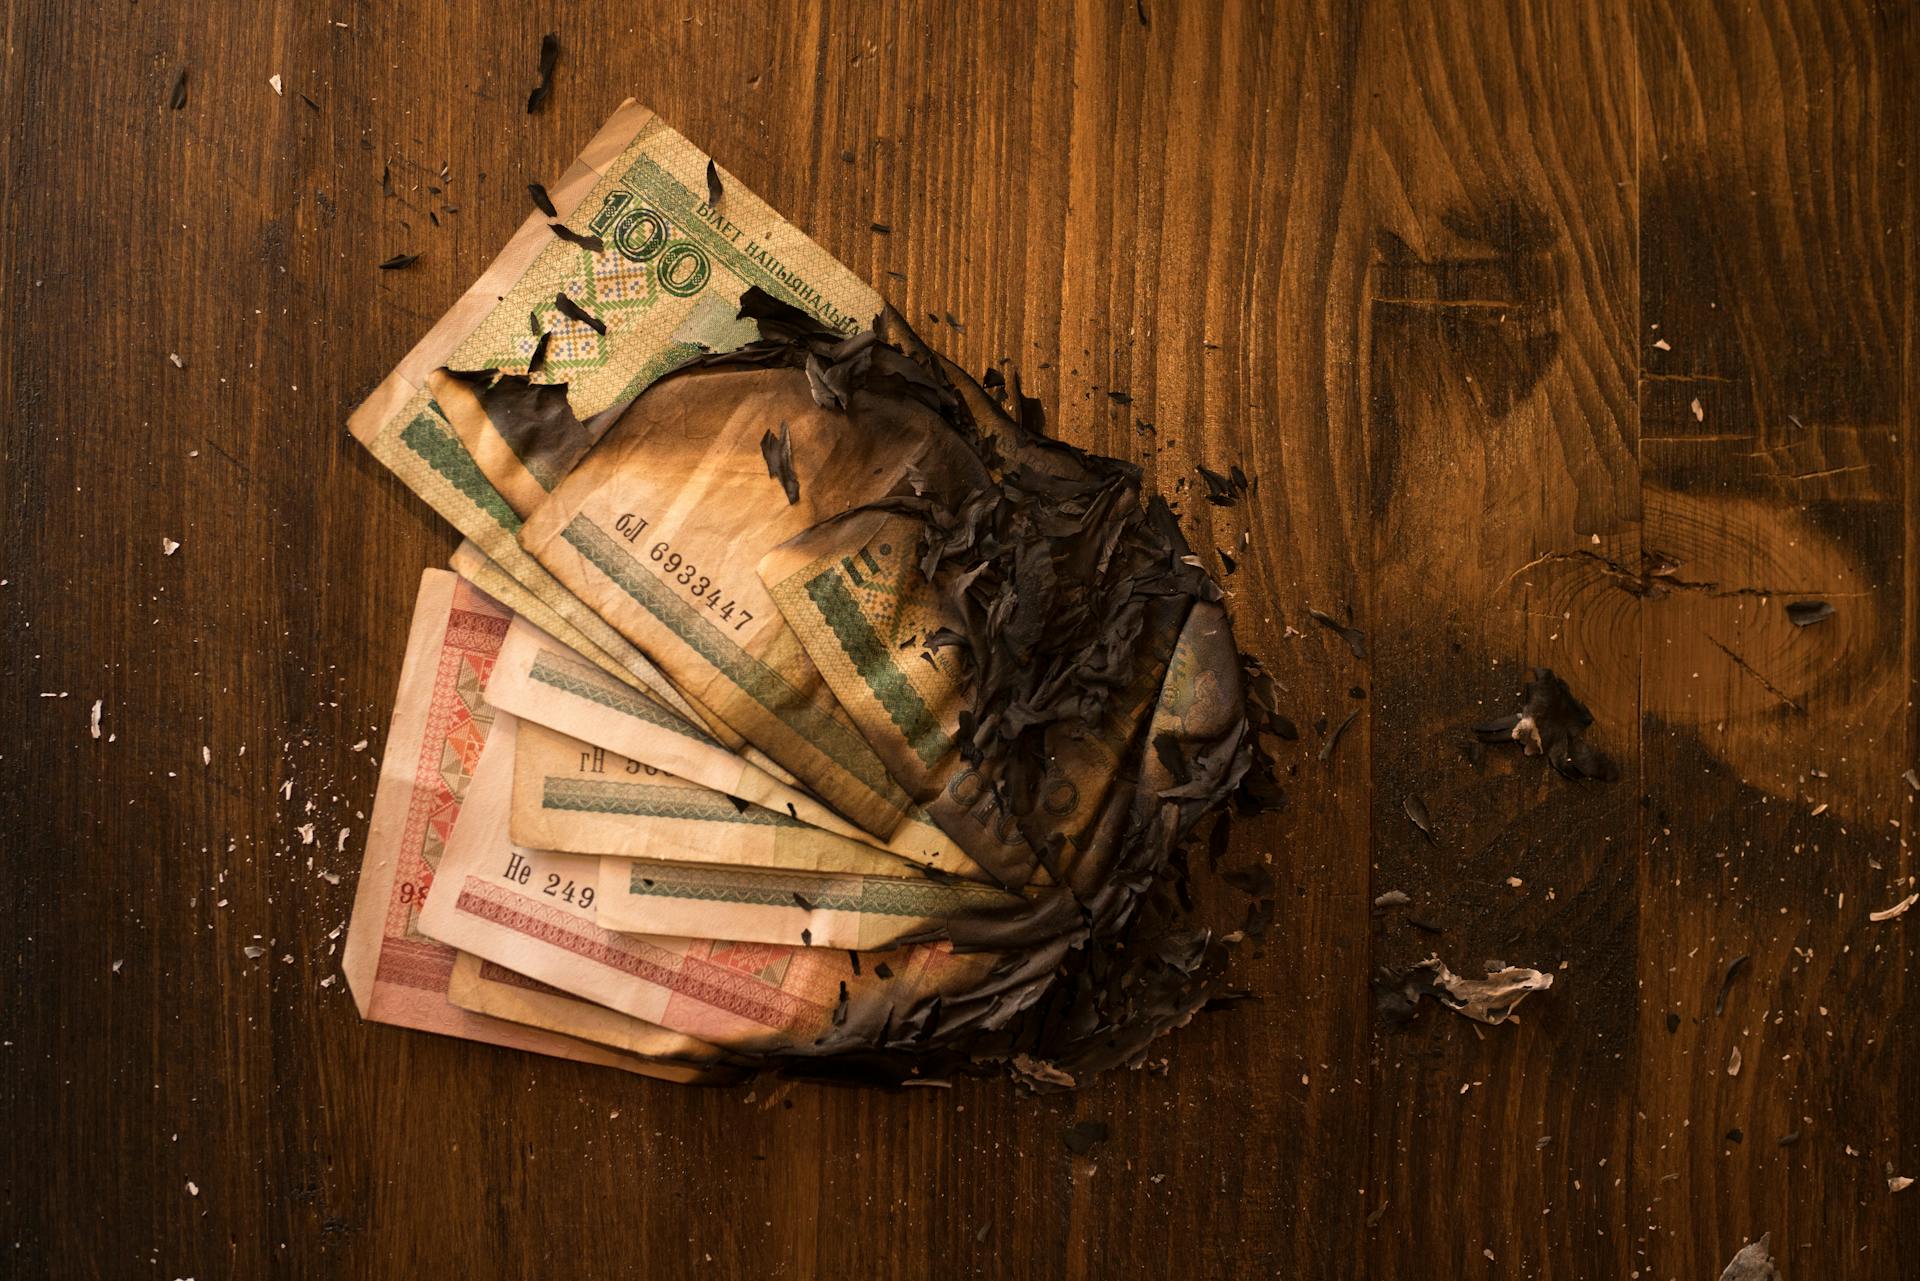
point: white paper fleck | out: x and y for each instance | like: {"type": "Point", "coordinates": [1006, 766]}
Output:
{"type": "Point", "coordinates": [1699, 411]}
{"type": "Point", "coordinates": [178, 363]}
{"type": "Point", "coordinates": [360, 746]}
{"type": "Point", "coordinates": [1884, 914]}
{"type": "Point", "coordinates": [206, 754]}
{"type": "Point", "coordinates": [306, 833]}
{"type": "Point", "coordinates": [95, 723]}
{"type": "Point", "coordinates": [1733, 1062]}
{"type": "Point", "coordinates": [1489, 1000]}
{"type": "Point", "coordinates": [193, 1189]}
{"type": "Point", "coordinates": [168, 546]}
{"type": "Point", "coordinates": [275, 82]}
{"type": "Point", "coordinates": [254, 953]}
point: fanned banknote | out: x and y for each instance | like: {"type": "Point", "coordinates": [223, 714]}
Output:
{"type": "Point", "coordinates": [863, 912]}
{"type": "Point", "coordinates": [661, 526]}
{"type": "Point", "coordinates": [541, 681]}
{"type": "Point", "coordinates": [663, 285]}
{"type": "Point", "coordinates": [440, 724]}
{"type": "Point", "coordinates": [499, 993]}
{"type": "Point", "coordinates": [533, 912]}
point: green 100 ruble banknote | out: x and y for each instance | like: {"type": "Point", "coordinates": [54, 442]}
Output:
{"type": "Point", "coordinates": [639, 271]}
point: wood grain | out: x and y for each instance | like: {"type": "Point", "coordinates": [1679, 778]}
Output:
{"type": "Point", "coordinates": [1403, 261]}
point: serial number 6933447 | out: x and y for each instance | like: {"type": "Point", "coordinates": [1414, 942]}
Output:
{"type": "Point", "coordinates": [675, 568]}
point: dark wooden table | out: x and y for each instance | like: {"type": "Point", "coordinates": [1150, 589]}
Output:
{"type": "Point", "coordinates": [1567, 334]}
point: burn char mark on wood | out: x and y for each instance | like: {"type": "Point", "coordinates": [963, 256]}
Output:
{"type": "Point", "coordinates": [1553, 723]}
{"type": "Point", "coordinates": [1495, 303]}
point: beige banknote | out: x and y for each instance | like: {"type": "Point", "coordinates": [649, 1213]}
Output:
{"type": "Point", "coordinates": [663, 286]}
{"type": "Point", "coordinates": [541, 681]}
{"type": "Point", "coordinates": [688, 860]}
{"type": "Point", "coordinates": [778, 905]}
{"type": "Point", "coordinates": [472, 564]}
{"type": "Point", "coordinates": [599, 648]}
{"type": "Point", "coordinates": [533, 912]}
{"type": "Point", "coordinates": [440, 723]}
{"type": "Point", "coordinates": [661, 526]}
{"type": "Point", "coordinates": [497, 992]}
{"type": "Point", "coordinates": [570, 795]}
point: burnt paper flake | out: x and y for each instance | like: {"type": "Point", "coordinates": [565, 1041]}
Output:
{"type": "Point", "coordinates": [1417, 812]}
{"type": "Point", "coordinates": [398, 261]}
{"type": "Point", "coordinates": [778, 451]}
{"type": "Point", "coordinates": [1222, 491]}
{"type": "Point", "coordinates": [1490, 1000]}
{"type": "Point", "coordinates": [1083, 1137]}
{"type": "Point", "coordinates": [1333, 739]}
{"type": "Point", "coordinates": [177, 95]}
{"type": "Point", "coordinates": [1805, 613]}
{"type": "Point", "coordinates": [592, 244]}
{"type": "Point", "coordinates": [1552, 723]}
{"type": "Point", "coordinates": [574, 311]}
{"type": "Point", "coordinates": [1355, 638]}
{"type": "Point", "coordinates": [549, 55]}
{"type": "Point", "coordinates": [541, 200]}
{"type": "Point", "coordinates": [714, 189]}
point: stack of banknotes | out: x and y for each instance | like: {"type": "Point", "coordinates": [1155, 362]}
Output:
{"type": "Point", "coordinates": [684, 774]}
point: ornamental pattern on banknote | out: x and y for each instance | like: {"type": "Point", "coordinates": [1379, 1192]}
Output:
{"type": "Point", "coordinates": [867, 897]}
{"type": "Point", "coordinates": [558, 673]}
{"type": "Point", "coordinates": [458, 719]}
{"type": "Point", "coordinates": [647, 800]}
{"type": "Point", "coordinates": [1189, 687]}
{"type": "Point", "coordinates": [868, 604]}
{"type": "Point", "coordinates": [434, 443]}
{"type": "Point", "coordinates": [758, 681]}
{"type": "Point", "coordinates": [686, 976]}
{"type": "Point", "coordinates": [662, 254]}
